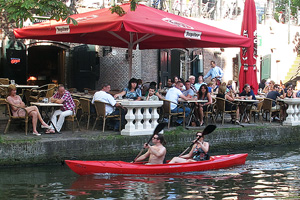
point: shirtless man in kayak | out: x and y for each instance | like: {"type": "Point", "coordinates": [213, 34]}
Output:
{"type": "Point", "coordinates": [156, 153]}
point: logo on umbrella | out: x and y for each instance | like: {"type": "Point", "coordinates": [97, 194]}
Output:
{"type": "Point", "coordinates": [177, 23]}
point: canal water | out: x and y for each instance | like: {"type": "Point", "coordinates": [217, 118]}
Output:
{"type": "Point", "coordinates": [269, 173]}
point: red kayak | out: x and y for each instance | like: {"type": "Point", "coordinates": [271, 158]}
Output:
{"type": "Point", "coordinates": [120, 167]}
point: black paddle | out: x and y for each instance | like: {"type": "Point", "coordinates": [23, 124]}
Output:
{"type": "Point", "coordinates": [158, 128]}
{"type": "Point", "coordinates": [206, 131]}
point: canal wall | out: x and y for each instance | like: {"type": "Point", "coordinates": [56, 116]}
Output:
{"type": "Point", "coordinates": [116, 147]}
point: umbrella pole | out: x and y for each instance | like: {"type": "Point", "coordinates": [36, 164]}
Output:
{"type": "Point", "coordinates": [130, 61]}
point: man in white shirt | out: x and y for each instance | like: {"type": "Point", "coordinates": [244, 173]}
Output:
{"type": "Point", "coordinates": [111, 105]}
{"type": "Point", "coordinates": [172, 95]}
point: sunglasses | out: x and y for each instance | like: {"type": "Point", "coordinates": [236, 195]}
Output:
{"type": "Point", "coordinates": [155, 138]}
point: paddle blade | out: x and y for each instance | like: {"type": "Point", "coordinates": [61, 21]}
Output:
{"type": "Point", "coordinates": [210, 128]}
{"type": "Point", "coordinates": [159, 128]}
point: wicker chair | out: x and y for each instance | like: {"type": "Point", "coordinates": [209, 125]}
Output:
{"type": "Point", "coordinates": [85, 105]}
{"type": "Point", "coordinates": [167, 111]}
{"type": "Point", "coordinates": [267, 108]}
{"type": "Point", "coordinates": [101, 113]}
{"type": "Point", "coordinates": [258, 110]}
{"type": "Point", "coordinates": [13, 118]}
{"type": "Point", "coordinates": [73, 117]}
{"type": "Point", "coordinates": [3, 90]}
{"type": "Point", "coordinates": [220, 108]}
{"type": "Point", "coordinates": [211, 110]}
{"type": "Point", "coordinates": [44, 91]}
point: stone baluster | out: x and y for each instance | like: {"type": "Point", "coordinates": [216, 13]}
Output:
{"type": "Point", "coordinates": [147, 117]}
{"type": "Point", "coordinates": [154, 117]}
{"type": "Point", "coordinates": [139, 128]}
{"type": "Point", "coordinates": [130, 117]}
{"type": "Point", "coordinates": [293, 112]}
{"type": "Point", "coordinates": [138, 118]}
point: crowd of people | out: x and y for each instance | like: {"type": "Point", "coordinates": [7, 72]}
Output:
{"type": "Point", "coordinates": [174, 89]}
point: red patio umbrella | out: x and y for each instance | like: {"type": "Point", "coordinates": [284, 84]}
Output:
{"type": "Point", "coordinates": [248, 55]}
{"type": "Point", "coordinates": [146, 26]}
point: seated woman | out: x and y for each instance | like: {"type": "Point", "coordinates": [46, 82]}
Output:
{"type": "Point", "coordinates": [15, 100]}
{"type": "Point", "coordinates": [203, 94]}
{"type": "Point", "coordinates": [132, 91]}
{"type": "Point", "coordinates": [269, 87]}
{"type": "Point", "coordinates": [229, 96]}
{"type": "Point", "coordinates": [288, 94]}
{"type": "Point", "coordinates": [197, 153]}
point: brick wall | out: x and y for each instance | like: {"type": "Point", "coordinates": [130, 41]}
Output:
{"type": "Point", "coordinates": [114, 69]}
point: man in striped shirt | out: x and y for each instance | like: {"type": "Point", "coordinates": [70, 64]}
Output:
{"type": "Point", "coordinates": [62, 96]}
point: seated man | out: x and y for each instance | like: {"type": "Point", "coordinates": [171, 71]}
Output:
{"type": "Point", "coordinates": [247, 93]}
{"type": "Point", "coordinates": [64, 97]}
{"type": "Point", "coordinates": [172, 95]}
{"type": "Point", "coordinates": [274, 94]}
{"type": "Point", "coordinates": [110, 109]}
{"type": "Point", "coordinates": [188, 92]}
{"type": "Point", "coordinates": [156, 153]}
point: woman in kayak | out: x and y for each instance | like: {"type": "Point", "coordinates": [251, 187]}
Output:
{"type": "Point", "coordinates": [156, 153]}
{"type": "Point", "coordinates": [197, 153]}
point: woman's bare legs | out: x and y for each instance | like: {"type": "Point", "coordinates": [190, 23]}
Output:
{"type": "Point", "coordinates": [201, 115]}
{"type": "Point", "coordinates": [180, 160]}
{"type": "Point", "coordinates": [237, 113]}
{"type": "Point", "coordinates": [35, 109]}
{"type": "Point", "coordinates": [34, 115]}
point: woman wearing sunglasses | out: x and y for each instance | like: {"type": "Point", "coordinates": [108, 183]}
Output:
{"type": "Point", "coordinates": [197, 153]}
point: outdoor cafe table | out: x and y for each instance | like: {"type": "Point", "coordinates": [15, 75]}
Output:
{"type": "Point", "coordinates": [149, 119]}
{"type": "Point", "coordinates": [192, 105]}
{"type": "Point", "coordinates": [22, 86]}
{"type": "Point", "coordinates": [82, 95]}
{"type": "Point", "coordinates": [42, 105]}
{"type": "Point", "coordinates": [244, 104]}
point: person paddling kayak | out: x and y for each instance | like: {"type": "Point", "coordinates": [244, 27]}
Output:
{"type": "Point", "coordinates": [156, 153]}
{"type": "Point", "coordinates": [197, 153]}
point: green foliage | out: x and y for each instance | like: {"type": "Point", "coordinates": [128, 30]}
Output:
{"type": "Point", "coordinates": [119, 10]}
{"type": "Point", "coordinates": [18, 11]}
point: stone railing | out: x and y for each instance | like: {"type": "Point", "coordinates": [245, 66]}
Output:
{"type": "Point", "coordinates": [293, 112]}
{"type": "Point", "coordinates": [145, 127]}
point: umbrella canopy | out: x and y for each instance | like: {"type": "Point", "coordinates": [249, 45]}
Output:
{"type": "Point", "coordinates": [248, 55]}
{"type": "Point", "coordinates": [146, 26]}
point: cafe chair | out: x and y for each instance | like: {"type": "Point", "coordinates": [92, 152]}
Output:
{"type": "Point", "coordinates": [73, 117]}
{"type": "Point", "coordinates": [168, 114]}
{"type": "Point", "coordinates": [3, 90]}
{"type": "Point", "coordinates": [101, 113]}
{"type": "Point", "coordinates": [267, 108]}
{"type": "Point", "coordinates": [220, 108]}
{"type": "Point", "coordinates": [85, 105]}
{"type": "Point", "coordinates": [256, 110]}
{"type": "Point", "coordinates": [44, 91]}
{"type": "Point", "coordinates": [210, 112]}
{"type": "Point", "coordinates": [13, 118]}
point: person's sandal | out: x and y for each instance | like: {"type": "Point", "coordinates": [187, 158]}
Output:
{"type": "Point", "coordinates": [37, 134]}
{"type": "Point", "coordinates": [237, 122]}
{"type": "Point", "coordinates": [50, 131]}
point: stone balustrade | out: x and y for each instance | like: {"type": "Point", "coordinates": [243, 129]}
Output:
{"type": "Point", "coordinates": [293, 111]}
{"type": "Point", "coordinates": [145, 127]}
